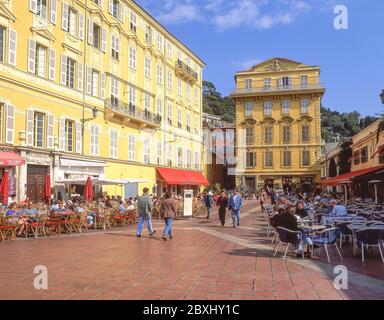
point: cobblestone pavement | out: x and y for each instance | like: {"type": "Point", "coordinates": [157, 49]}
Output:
{"type": "Point", "coordinates": [203, 261]}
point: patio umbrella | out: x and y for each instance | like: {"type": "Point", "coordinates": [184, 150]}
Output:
{"type": "Point", "coordinates": [48, 187]}
{"type": "Point", "coordinates": [88, 190]}
{"type": "Point", "coordinates": [4, 188]}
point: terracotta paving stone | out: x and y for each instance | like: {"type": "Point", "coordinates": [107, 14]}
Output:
{"type": "Point", "coordinates": [196, 265]}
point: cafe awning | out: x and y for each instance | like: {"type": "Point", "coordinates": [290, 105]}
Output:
{"type": "Point", "coordinates": [182, 177]}
{"type": "Point", "coordinates": [100, 182]}
{"type": "Point", "coordinates": [11, 159]}
{"type": "Point", "coordinates": [343, 178]}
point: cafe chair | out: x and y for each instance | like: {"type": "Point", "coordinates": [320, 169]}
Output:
{"type": "Point", "coordinates": [289, 238]}
{"type": "Point", "coordinates": [370, 237]}
{"type": "Point", "coordinates": [345, 232]}
{"type": "Point", "coordinates": [327, 238]}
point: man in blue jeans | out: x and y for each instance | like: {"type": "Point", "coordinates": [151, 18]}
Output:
{"type": "Point", "coordinates": [144, 208]}
{"type": "Point", "coordinates": [235, 204]}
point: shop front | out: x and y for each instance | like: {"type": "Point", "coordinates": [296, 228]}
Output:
{"type": "Point", "coordinates": [176, 181]}
{"type": "Point", "coordinates": [9, 166]}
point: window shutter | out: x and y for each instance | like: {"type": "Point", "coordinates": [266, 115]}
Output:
{"type": "Point", "coordinates": [64, 17]}
{"type": "Point", "coordinates": [12, 46]}
{"type": "Point", "coordinates": [89, 80]}
{"type": "Point", "coordinates": [33, 6]}
{"type": "Point", "coordinates": [10, 123]}
{"type": "Point", "coordinates": [103, 81]}
{"type": "Point", "coordinates": [52, 64]}
{"type": "Point", "coordinates": [50, 132]}
{"type": "Point", "coordinates": [63, 76]}
{"type": "Point", "coordinates": [96, 141]}
{"type": "Point", "coordinates": [62, 134]}
{"type": "Point", "coordinates": [104, 40]}
{"type": "Point", "coordinates": [122, 12]}
{"type": "Point", "coordinates": [30, 125]}
{"type": "Point", "coordinates": [80, 76]}
{"type": "Point", "coordinates": [79, 137]}
{"type": "Point", "coordinates": [54, 11]}
{"type": "Point", "coordinates": [280, 82]}
{"type": "Point", "coordinates": [110, 6]}
{"type": "Point", "coordinates": [90, 32]}
{"type": "Point", "coordinates": [81, 26]}
{"type": "Point", "coordinates": [31, 55]}
{"type": "Point", "coordinates": [290, 81]}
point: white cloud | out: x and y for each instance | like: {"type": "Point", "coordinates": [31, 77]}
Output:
{"type": "Point", "coordinates": [245, 65]}
{"type": "Point", "coordinates": [225, 14]}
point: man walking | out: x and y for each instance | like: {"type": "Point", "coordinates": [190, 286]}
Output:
{"type": "Point", "coordinates": [144, 208]}
{"type": "Point", "coordinates": [209, 203]}
{"type": "Point", "coordinates": [169, 211]}
{"type": "Point", "coordinates": [222, 203]}
{"type": "Point", "coordinates": [236, 203]}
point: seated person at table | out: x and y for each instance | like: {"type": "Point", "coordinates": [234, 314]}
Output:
{"type": "Point", "coordinates": [121, 208]}
{"type": "Point", "coordinates": [288, 221]}
{"type": "Point", "coordinates": [27, 217]}
{"type": "Point", "coordinates": [338, 209]}
{"type": "Point", "coordinates": [300, 209]}
{"type": "Point", "coordinates": [54, 207]}
{"type": "Point", "coordinates": [11, 211]}
{"type": "Point", "coordinates": [131, 206]}
{"type": "Point", "coordinates": [80, 208]}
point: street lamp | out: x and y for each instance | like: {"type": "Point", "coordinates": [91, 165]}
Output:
{"type": "Point", "coordinates": [95, 113]}
{"type": "Point", "coordinates": [382, 96]}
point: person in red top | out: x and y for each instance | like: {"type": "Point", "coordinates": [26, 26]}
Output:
{"type": "Point", "coordinates": [215, 198]}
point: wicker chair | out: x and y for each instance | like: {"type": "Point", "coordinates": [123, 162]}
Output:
{"type": "Point", "coordinates": [53, 224]}
{"type": "Point", "coordinates": [7, 228]}
{"type": "Point", "coordinates": [37, 227]}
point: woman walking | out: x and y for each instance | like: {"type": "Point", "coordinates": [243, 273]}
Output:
{"type": "Point", "coordinates": [168, 210]}
{"type": "Point", "coordinates": [222, 203]}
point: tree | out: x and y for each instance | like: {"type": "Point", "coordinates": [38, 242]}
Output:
{"type": "Point", "coordinates": [214, 103]}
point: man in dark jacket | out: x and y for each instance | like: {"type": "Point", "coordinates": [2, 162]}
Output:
{"type": "Point", "coordinates": [222, 203]}
{"type": "Point", "coordinates": [144, 208]}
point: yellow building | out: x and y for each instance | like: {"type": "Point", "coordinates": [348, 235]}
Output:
{"type": "Point", "coordinates": [96, 88]}
{"type": "Point", "coordinates": [278, 125]}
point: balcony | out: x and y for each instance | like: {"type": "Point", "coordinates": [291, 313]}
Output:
{"type": "Point", "coordinates": [186, 72]}
{"type": "Point", "coordinates": [124, 113]}
{"type": "Point", "coordinates": [279, 90]}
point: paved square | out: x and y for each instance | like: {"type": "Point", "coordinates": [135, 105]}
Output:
{"type": "Point", "coordinates": [203, 261]}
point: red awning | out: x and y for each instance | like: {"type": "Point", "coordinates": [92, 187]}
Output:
{"type": "Point", "coordinates": [10, 159]}
{"type": "Point", "coordinates": [182, 177]}
{"type": "Point", "coordinates": [335, 181]}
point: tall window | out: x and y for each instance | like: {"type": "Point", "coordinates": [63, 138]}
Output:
{"type": "Point", "coordinates": [114, 91]}
{"type": "Point", "coordinates": [159, 152]}
{"type": "Point", "coordinates": [148, 34]}
{"type": "Point", "coordinates": [196, 97]}
{"type": "Point", "coordinates": [169, 49]}
{"type": "Point", "coordinates": [113, 144]}
{"type": "Point", "coordinates": [169, 113]}
{"type": "Point", "coordinates": [95, 83]}
{"type": "Point", "coordinates": [159, 108]}
{"type": "Point", "coordinates": [179, 118]}
{"type": "Point", "coordinates": [306, 158]}
{"type": "Point", "coordinates": [96, 35]}
{"type": "Point", "coordinates": [197, 160]}
{"type": "Point", "coordinates": [147, 158]}
{"type": "Point", "coordinates": [304, 80]}
{"type": "Point", "coordinates": [248, 109]}
{"type": "Point", "coordinates": [70, 73]}
{"type": "Point", "coordinates": [147, 105]}
{"type": "Point", "coordinates": [42, 6]}
{"type": "Point", "coordinates": [188, 121]}
{"type": "Point", "coordinates": [248, 84]}
{"type": "Point", "coordinates": [304, 104]}
{"type": "Point", "coordinates": [69, 135]}
{"type": "Point", "coordinates": [268, 159]}
{"type": "Point", "coordinates": [132, 58]}
{"type": "Point", "coordinates": [115, 46]}
{"type": "Point", "coordinates": [305, 133]}
{"type": "Point", "coordinates": [268, 135]}
{"type": "Point", "coordinates": [39, 129]}
{"type": "Point", "coordinates": [169, 79]}
{"type": "Point", "coordinates": [133, 23]}
{"type": "Point", "coordinates": [160, 74]}
{"type": "Point", "coordinates": [249, 136]}
{"type": "Point", "coordinates": [2, 41]}
{"type": "Point", "coordinates": [268, 108]}
{"type": "Point", "coordinates": [169, 155]}
{"type": "Point", "coordinates": [179, 157]}
{"type": "Point", "coordinates": [147, 67]}
{"type": "Point", "coordinates": [364, 154]}
{"type": "Point", "coordinates": [286, 81]}
{"type": "Point", "coordinates": [40, 61]}
{"type": "Point", "coordinates": [196, 124]}
{"type": "Point", "coordinates": [285, 106]}
{"type": "Point", "coordinates": [267, 83]}
{"type": "Point", "coordinates": [131, 148]}
{"type": "Point", "coordinates": [132, 99]}
{"type": "Point", "coordinates": [287, 159]}
{"type": "Point", "coordinates": [286, 134]}
{"type": "Point", "coordinates": [179, 86]}
{"type": "Point", "coordinates": [115, 8]}
{"type": "Point", "coordinates": [160, 41]}
{"type": "Point", "coordinates": [188, 92]}
{"type": "Point", "coordinates": [72, 21]}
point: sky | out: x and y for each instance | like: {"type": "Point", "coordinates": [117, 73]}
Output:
{"type": "Point", "coordinates": [234, 35]}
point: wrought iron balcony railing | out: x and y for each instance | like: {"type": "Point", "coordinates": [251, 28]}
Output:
{"type": "Point", "coordinates": [133, 112]}
{"type": "Point", "coordinates": [186, 70]}
{"type": "Point", "coordinates": [273, 89]}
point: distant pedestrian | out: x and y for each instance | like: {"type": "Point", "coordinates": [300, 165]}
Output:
{"type": "Point", "coordinates": [144, 208]}
{"type": "Point", "coordinates": [222, 203]}
{"type": "Point", "coordinates": [263, 196]}
{"type": "Point", "coordinates": [235, 204]}
{"type": "Point", "coordinates": [209, 203]}
{"type": "Point", "coordinates": [169, 211]}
